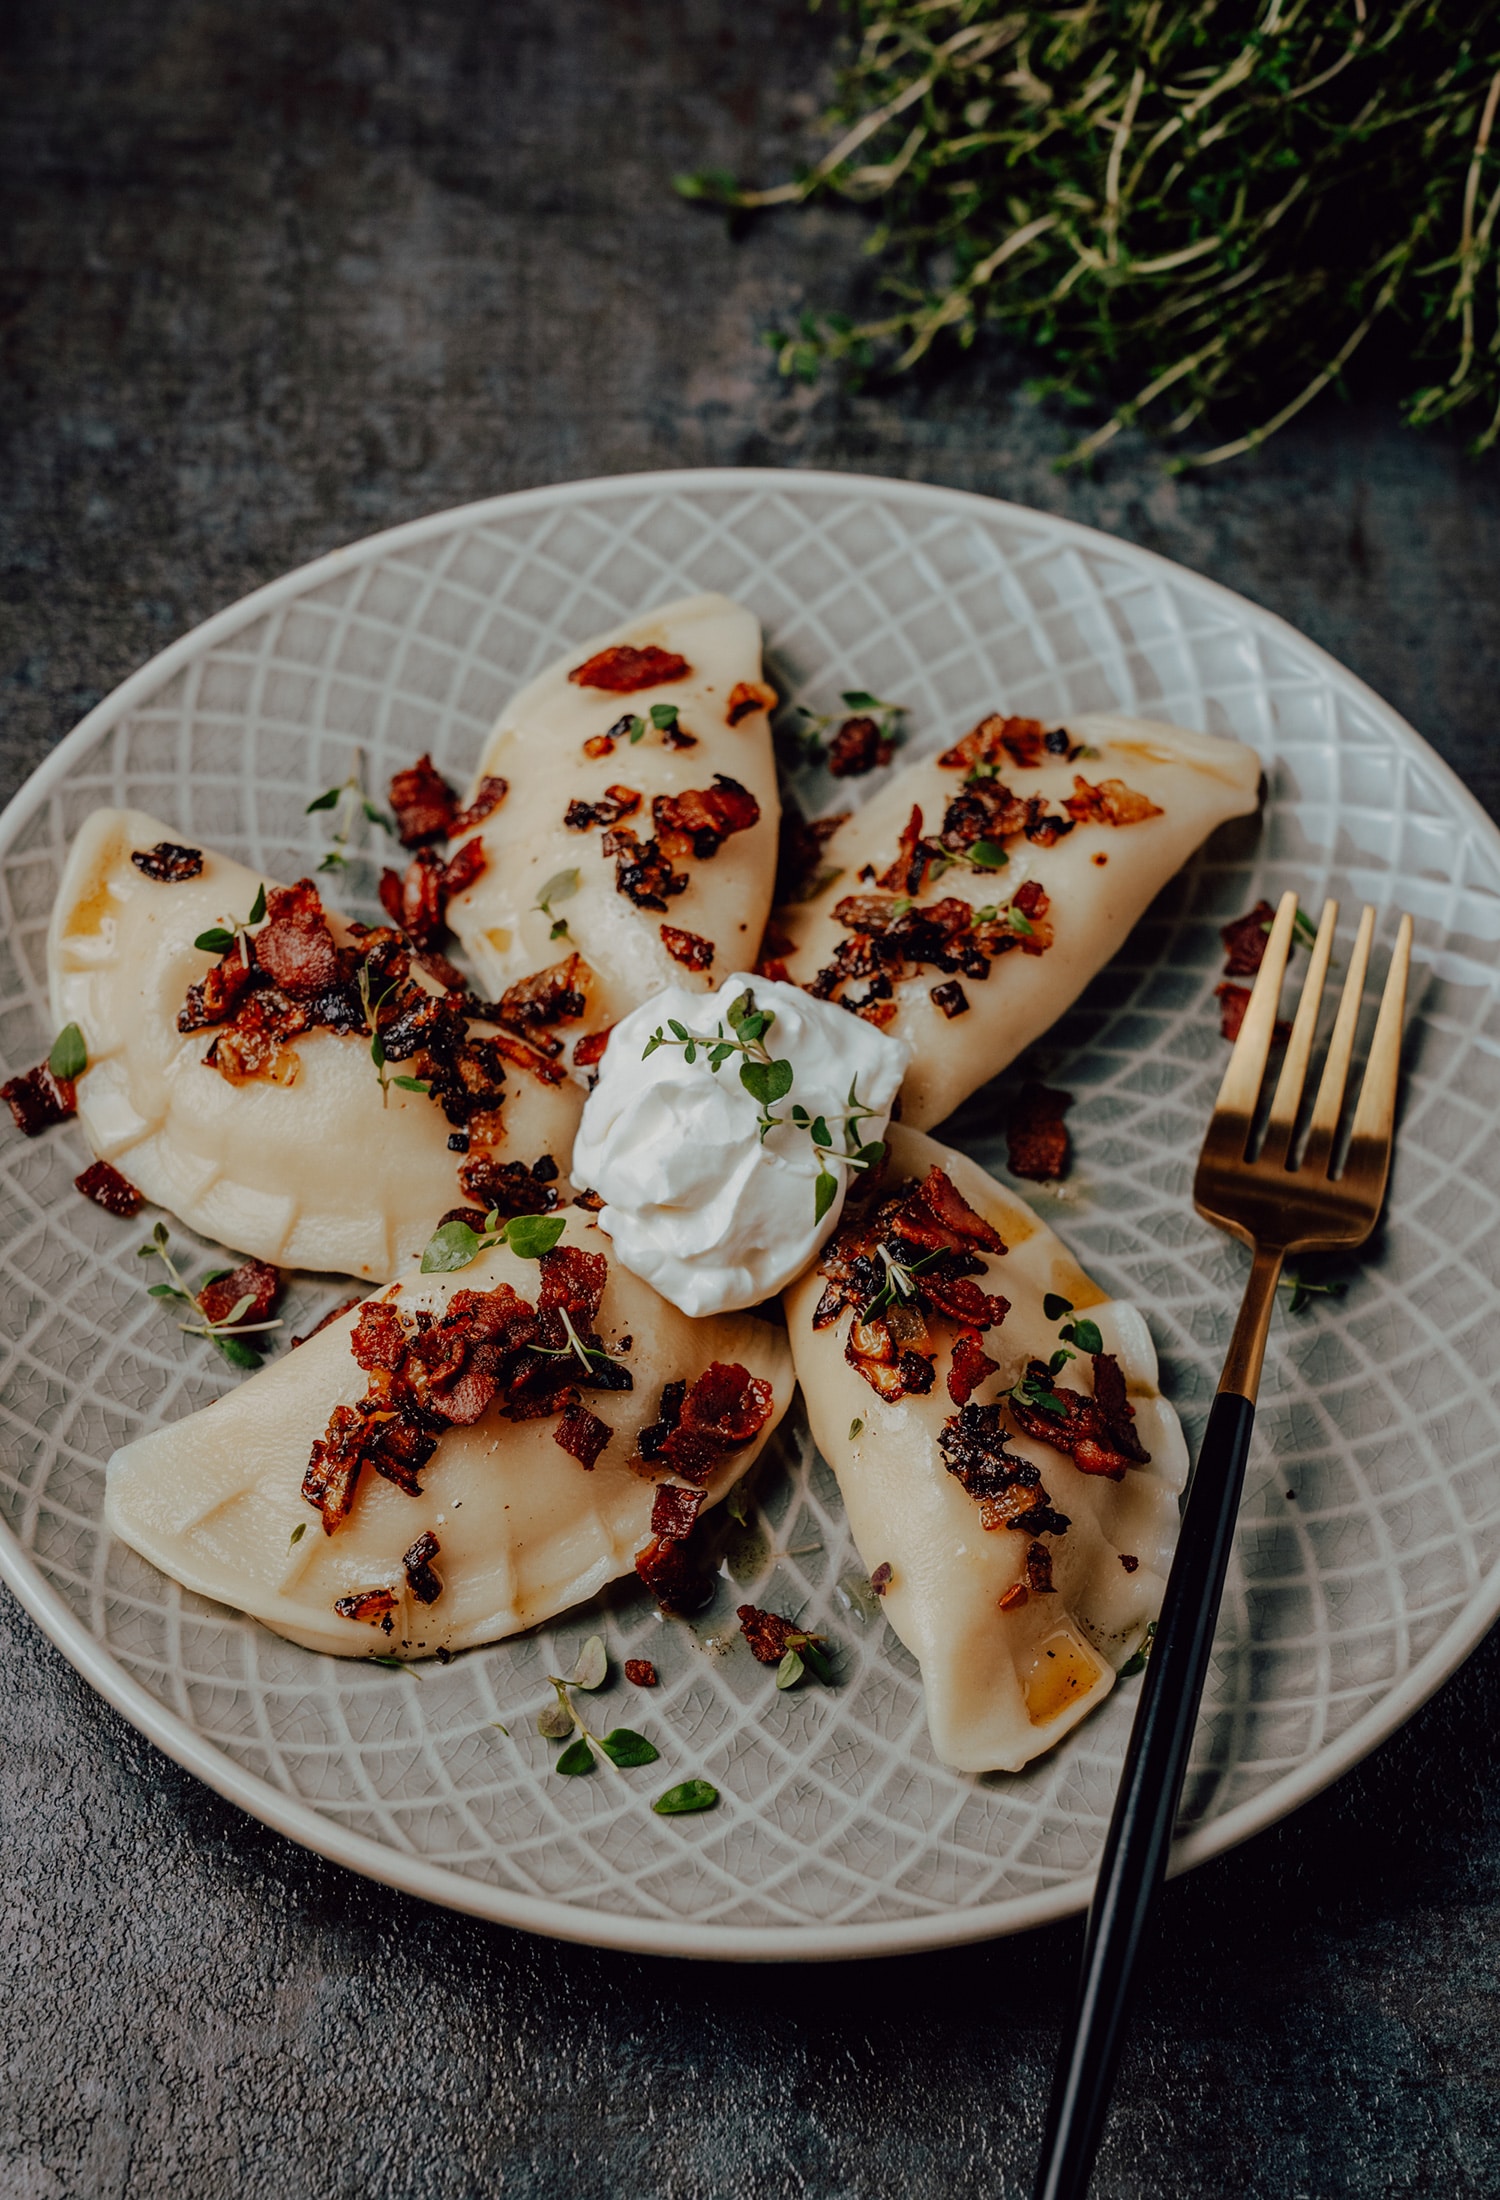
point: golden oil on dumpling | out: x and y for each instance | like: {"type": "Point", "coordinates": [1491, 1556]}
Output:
{"type": "Point", "coordinates": [503, 1522]}
{"type": "Point", "coordinates": [975, 894]}
{"type": "Point", "coordinates": [640, 824]}
{"type": "Point", "coordinates": [303, 1160]}
{"type": "Point", "coordinates": [1020, 1574]}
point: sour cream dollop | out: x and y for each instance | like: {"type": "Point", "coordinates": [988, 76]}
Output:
{"type": "Point", "coordinates": [696, 1204]}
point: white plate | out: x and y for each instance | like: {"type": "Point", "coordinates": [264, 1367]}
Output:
{"type": "Point", "coordinates": [838, 1833]}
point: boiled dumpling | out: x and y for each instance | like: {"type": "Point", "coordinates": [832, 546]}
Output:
{"type": "Point", "coordinates": [975, 894]}
{"type": "Point", "coordinates": [642, 813]}
{"type": "Point", "coordinates": [304, 1161]}
{"type": "Point", "coordinates": [1020, 1574]}
{"type": "Point", "coordinates": [504, 1524]}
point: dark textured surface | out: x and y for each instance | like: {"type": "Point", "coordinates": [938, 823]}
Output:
{"type": "Point", "coordinates": [272, 276]}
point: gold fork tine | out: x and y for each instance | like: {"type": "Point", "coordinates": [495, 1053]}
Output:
{"type": "Point", "coordinates": [1283, 1119]}
{"type": "Point", "coordinates": [1375, 1116]}
{"type": "Point", "coordinates": [1234, 1109]}
{"type": "Point", "coordinates": [1330, 1101]}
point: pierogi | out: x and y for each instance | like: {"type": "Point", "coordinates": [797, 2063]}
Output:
{"type": "Point", "coordinates": [974, 895]}
{"type": "Point", "coordinates": [1019, 1581]}
{"type": "Point", "coordinates": [520, 1530]}
{"type": "Point", "coordinates": [664, 874]}
{"type": "Point", "coordinates": [326, 1171]}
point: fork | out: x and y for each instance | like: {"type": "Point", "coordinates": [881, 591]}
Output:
{"type": "Point", "coordinates": [1277, 1204]}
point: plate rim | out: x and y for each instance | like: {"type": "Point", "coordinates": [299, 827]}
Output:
{"type": "Point", "coordinates": [562, 1920]}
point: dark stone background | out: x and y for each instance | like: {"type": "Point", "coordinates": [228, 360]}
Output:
{"type": "Point", "coordinates": [272, 276]}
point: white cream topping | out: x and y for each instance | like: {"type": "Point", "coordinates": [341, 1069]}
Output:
{"type": "Point", "coordinates": [708, 1213]}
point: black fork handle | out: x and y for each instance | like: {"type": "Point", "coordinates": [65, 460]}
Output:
{"type": "Point", "coordinates": [1140, 1832]}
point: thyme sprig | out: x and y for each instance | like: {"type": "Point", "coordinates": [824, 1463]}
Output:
{"type": "Point", "coordinates": [807, 739]}
{"type": "Point", "coordinates": [351, 801]}
{"type": "Point", "coordinates": [1159, 199]}
{"type": "Point", "coordinates": [224, 1336]}
{"type": "Point", "coordinates": [220, 938]}
{"type": "Point", "coordinates": [454, 1245]}
{"type": "Point", "coordinates": [768, 1081]}
{"type": "Point", "coordinates": [622, 1746]}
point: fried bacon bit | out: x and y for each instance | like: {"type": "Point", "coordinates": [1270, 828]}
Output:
{"type": "Point", "coordinates": [908, 873]}
{"type": "Point", "coordinates": [488, 796]}
{"type": "Point", "coordinates": [334, 1314]}
{"type": "Point", "coordinates": [1036, 1135]}
{"type": "Point", "coordinates": [1245, 940]}
{"type": "Point", "coordinates": [1097, 1432]}
{"type": "Point", "coordinates": [615, 803]}
{"type": "Point", "coordinates": [769, 1635]}
{"type": "Point", "coordinates": [252, 1047]}
{"type": "Point", "coordinates": [553, 996]}
{"type": "Point", "coordinates": [509, 1187]}
{"type": "Point", "coordinates": [987, 810]}
{"type": "Point", "coordinates": [673, 1564]}
{"type": "Point", "coordinates": [1014, 1597]}
{"type": "Point", "coordinates": [582, 1433]}
{"type": "Point", "coordinates": [689, 948]}
{"type": "Point", "coordinates": [1110, 803]}
{"type": "Point", "coordinates": [108, 1189]}
{"type": "Point", "coordinates": [1128, 1560]}
{"type": "Point", "coordinates": [294, 947]}
{"type": "Point", "coordinates": [38, 1099]}
{"type": "Point", "coordinates": [1233, 1001]}
{"type": "Point", "coordinates": [858, 747]}
{"type": "Point", "coordinates": [747, 696]}
{"type": "Point", "coordinates": [1023, 741]}
{"type": "Point", "coordinates": [1038, 1569]}
{"type": "Point", "coordinates": [417, 1566]}
{"type": "Point", "coordinates": [676, 736]}
{"type": "Point", "coordinates": [422, 803]}
{"type": "Point", "coordinates": [890, 940]}
{"type": "Point", "coordinates": [950, 998]}
{"type": "Point", "coordinates": [590, 1048]}
{"type": "Point", "coordinates": [167, 863]}
{"type": "Point", "coordinates": [1008, 1489]}
{"type": "Point", "coordinates": [416, 899]}
{"type": "Point", "coordinates": [624, 670]}
{"type": "Point", "coordinates": [254, 1280]}
{"type": "Point", "coordinates": [642, 872]}
{"type": "Point", "coordinates": [700, 819]}
{"type": "Point", "coordinates": [600, 744]}
{"type": "Point", "coordinates": [726, 1409]}
{"type": "Point", "coordinates": [372, 1605]}
{"type": "Point", "coordinates": [880, 1580]}
{"type": "Point", "coordinates": [971, 1366]}
{"type": "Point", "coordinates": [640, 1672]}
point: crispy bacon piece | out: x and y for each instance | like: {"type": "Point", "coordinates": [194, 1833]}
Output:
{"type": "Point", "coordinates": [880, 1579]}
{"type": "Point", "coordinates": [747, 696]}
{"type": "Point", "coordinates": [556, 995]}
{"type": "Point", "coordinates": [997, 739]}
{"type": "Point", "coordinates": [1129, 1561]}
{"type": "Point", "coordinates": [1033, 902]}
{"type": "Point", "coordinates": [674, 1511]}
{"type": "Point", "coordinates": [216, 996]}
{"type": "Point", "coordinates": [893, 1354]}
{"type": "Point", "coordinates": [726, 1408]}
{"type": "Point", "coordinates": [167, 863]}
{"type": "Point", "coordinates": [252, 1046]}
{"type": "Point", "coordinates": [573, 1278]}
{"type": "Point", "coordinates": [615, 803]}
{"type": "Point", "coordinates": [689, 948]}
{"type": "Point", "coordinates": [509, 1187]}
{"type": "Point", "coordinates": [858, 747]}
{"type": "Point", "coordinates": [625, 670]}
{"type": "Point", "coordinates": [770, 1636]}
{"type": "Point", "coordinates": [422, 803]}
{"type": "Point", "coordinates": [936, 1216]}
{"type": "Point", "coordinates": [462, 868]}
{"type": "Point", "coordinates": [417, 898]}
{"type": "Point", "coordinates": [1036, 1135]}
{"type": "Point", "coordinates": [417, 1566]}
{"type": "Point", "coordinates": [1008, 1489]}
{"type": "Point", "coordinates": [372, 1605]}
{"type": "Point", "coordinates": [937, 1237]}
{"type": "Point", "coordinates": [294, 947]}
{"type": "Point", "coordinates": [668, 1414]}
{"type": "Point", "coordinates": [380, 1337]}
{"type": "Point", "coordinates": [254, 1280]}
{"type": "Point", "coordinates": [37, 1099]}
{"type": "Point", "coordinates": [908, 873]}
{"type": "Point", "coordinates": [488, 796]}
{"type": "Point", "coordinates": [971, 1366]}
{"type": "Point", "coordinates": [1245, 942]}
{"type": "Point", "coordinates": [673, 1564]}
{"type": "Point", "coordinates": [640, 1672]}
{"type": "Point", "coordinates": [701, 819]}
{"type": "Point", "coordinates": [1014, 1597]}
{"type": "Point", "coordinates": [642, 872]}
{"type": "Point", "coordinates": [108, 1189]}
{"type": "Point", "coordinates": [582, 1433]}
{"type": "Point", "coordinates": [334, 1464]}
{"type": "Point", "coordinates": [590, 1048]}
{"type": "Point", "coordinates": [1110, 803]}
{"type": "Point", "coordinates": [1038, 1569]}
{"type": "Point", "coordinates": [335, 1313]}
{"type": "Point", "coordinates": [1233, 1001]}
{"type": "Point", "coordinates": [521, 1056]}
{"type": "Point", "coordinates": [950, 998]}
{"type": "Point", "coordinates": [1097, 1432]}
{"type": "Point", "coordinates": [987, 810]}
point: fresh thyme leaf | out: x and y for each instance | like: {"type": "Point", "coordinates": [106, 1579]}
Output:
{"type": "Point", "coordinates": [69, 1057]}
{"type": "Point", "coordinates": [215, 941]}
{"type": "Point", "coordinates": [636, 730]}
{"type": "Point", "coordinates": [258, 906]}
{"type": "Point", "coordinates": [562, 886]}
{"type": "Point", "coordinates": [451, 1246]}
{"type": "Point", "coordinates": [297, 1534]}
{"type": "Point", "coordinates": [392, 1665]}
{"type": "Point", "coordinates": [376, 817]}
{"type": "Point", "coordinates": [856, 699]}
{"type": "Point", "coordinates": [854, 1429]}
{"type": "Point", "coordinates": [987, 855]}
{"type": "Point", "coordinates": [664, 716]}
{"type": "Point", "coordinates": [164, 1291]}
{"type": "Point", "coordinates": [529, 1236]}
{"type": "Point", "coordinates": [577, 1757]}
{"type": "Point", "coordinates": [1054, 1306]}
{"type": "Point", "coordinates": [687, 1796]}
{"type": "Point", "coordinates": [554, 1722]}
{"type": "Point", "coordinates": [1137, 1664]}
{"type": "Point", "coordinates": [767, 1082]}
{"type": "Point", "coordinates": [1019, 921]}
{"type": "Point", "coordinates": [326, 801]}
{"type": "Point", "coordinates": [627, 1749]}
{"type": "Point", "coordinates": [825, 1192]}
{"type": "Point", "coordinates": [412, 1084]}
{"type": "Point", "coordinates": [236, 1351]}
{"type": "Point", "coordinates": [789, 1672]}
{"type": "Point", "coordinates": [559, 929]}
{"type": "Point", "coordinates": [1083, 1333]}
{"type": "Point", "coordinates": [592, 1668]}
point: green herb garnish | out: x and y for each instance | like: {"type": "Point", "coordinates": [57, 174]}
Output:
{"type": "Point", "coordinates": [621, 1745]}
{"type": "Point", "coordinates": [687, 1796]}
{"type": "Point", "coordinates": [351, 802]}
{"type": "Point", "coordinates": [227, 1337]}
{"type": "Point", "coordinates": [1303, 1289]}
{"type": "Point", "coordinates": [455, 1244]}
{"type": "Point", "coordinates": [1137, 1663]}
{"type": "Point", "coordinates": [562, 886]}
{"type": "Point", "coordinates": [69, 1057]}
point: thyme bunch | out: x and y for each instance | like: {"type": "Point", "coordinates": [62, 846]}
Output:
{"type": "Point", "coordinates": [1185, 209]}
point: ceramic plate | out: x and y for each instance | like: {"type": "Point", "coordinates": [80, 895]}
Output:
{"type": "Point", "coordinates": [1368, 1559]}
